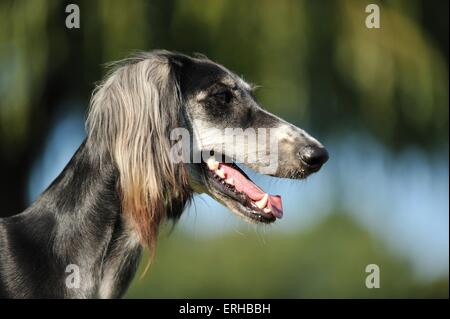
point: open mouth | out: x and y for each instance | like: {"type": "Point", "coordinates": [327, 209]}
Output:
{"type": "Point", "coordinates": [230, 185]}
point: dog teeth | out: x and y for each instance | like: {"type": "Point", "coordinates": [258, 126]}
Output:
{"type": "Point", "coordinates": [262, 202]}
{"type": "Point", "coordinates": [212, 163]}
{"type": "Point", "coordinates": [230, 181]}
{"type": "Point", "coordinates": [266, 210]}
{"type": "Point", "coordinates": [220, 173]}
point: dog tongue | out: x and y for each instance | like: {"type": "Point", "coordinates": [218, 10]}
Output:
{"type": "Point", "coordinates": [243, 184]}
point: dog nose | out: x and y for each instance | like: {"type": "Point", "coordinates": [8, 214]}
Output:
{"type": "Point", "coordinates": [313, 155]}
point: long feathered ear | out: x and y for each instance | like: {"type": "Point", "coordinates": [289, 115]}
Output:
{"type": "Point", "coordinates": [131, 114]}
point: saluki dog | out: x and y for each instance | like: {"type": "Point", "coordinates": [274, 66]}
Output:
{"type": "Point", "coordinates": [126, 179]}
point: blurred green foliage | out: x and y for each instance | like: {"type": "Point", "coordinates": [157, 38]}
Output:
{"type": "Point", "coordinates": [327, 261]}
{"type": "Point", "coordinates": [316, 61]}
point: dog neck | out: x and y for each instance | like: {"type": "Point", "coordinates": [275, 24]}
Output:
{"type": "Point", "coordinates": [73, 242]}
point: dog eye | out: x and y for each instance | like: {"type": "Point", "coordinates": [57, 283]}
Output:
{"type": "Point", "coordinates": [224, 96]}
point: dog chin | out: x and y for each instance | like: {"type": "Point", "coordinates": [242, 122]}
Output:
{"type": "Point", "coordinates": [246, 213]}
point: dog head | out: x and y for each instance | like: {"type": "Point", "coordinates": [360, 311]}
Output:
{"type": "Point", "coordinates": [227, 126]}
{"type": "Point", "coordinates": [175, 124]}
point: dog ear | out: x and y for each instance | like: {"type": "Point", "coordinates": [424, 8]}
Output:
{"type": "Point", "coordinates": [177, 63]}
{"type": "Point", "coordinates": [133, 112]}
